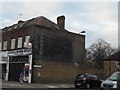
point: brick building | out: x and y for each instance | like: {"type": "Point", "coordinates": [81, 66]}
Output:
{"type": "Point", "coordinates": [111, 64]}
{"type": "Point", "coordinates": [43, 50]}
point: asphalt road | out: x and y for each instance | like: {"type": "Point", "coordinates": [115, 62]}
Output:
{"type": "Point", "coordinates": [8, 85]}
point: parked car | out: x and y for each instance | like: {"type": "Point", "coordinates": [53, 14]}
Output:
{"type": "Point", "coordinates": [111, 82]}
{"type": "Point", "coordinates": [87, 81]}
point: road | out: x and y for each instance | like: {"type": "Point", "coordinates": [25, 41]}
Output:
{"type": "Point", "coordinates": [9, 85]}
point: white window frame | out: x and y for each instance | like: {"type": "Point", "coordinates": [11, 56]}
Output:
{"type": "Point", "coordinates": [5, 45]}
{"type": "Point", "coordinates": [12, 43]}
{"type": "Point", "coordinates": [19, 44]}
{"type": "Point", "coordinates": [27, 39]}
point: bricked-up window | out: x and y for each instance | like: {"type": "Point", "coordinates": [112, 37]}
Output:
{"type": "Point", "coordinates": [27, 38]}
{"type": "Point", "coordinates": [19, 45]}
{"type": "Point", "coordinates": [0, 46]}
{"type": "Point", "coordinates": [12, 43]}
{"type": "Point", "coordinates": [5, 45]}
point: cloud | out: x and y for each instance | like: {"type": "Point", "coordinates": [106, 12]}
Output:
{"type": "Point", "coordinates": [103, 11]}
{"type": "Point", "coordinates": [33, 9]}
{"type": "Point", "coordinates": [11, 11]}
{"type": "Point", "coordinates": [99, 20]}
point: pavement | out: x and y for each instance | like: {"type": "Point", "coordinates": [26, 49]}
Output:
{"type": "Point", "coordinates": [11, 84]}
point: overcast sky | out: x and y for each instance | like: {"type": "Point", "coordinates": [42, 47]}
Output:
{"type": "Point", "coordinates": [98, 19]}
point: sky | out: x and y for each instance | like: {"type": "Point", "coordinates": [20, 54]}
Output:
{"type": "Point", "coordinates": [98, 19]}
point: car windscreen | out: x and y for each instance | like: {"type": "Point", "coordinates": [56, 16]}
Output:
{"type": "Point", "coordinates": [113, 77]}
{"type": "Point", "coordinates": [82, 76]}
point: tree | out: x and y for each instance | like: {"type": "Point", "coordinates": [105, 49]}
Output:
{"type": "Point", "coordinates": [98, 51]}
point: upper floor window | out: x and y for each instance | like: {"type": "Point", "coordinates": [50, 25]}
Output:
{"type": "Point", "coordinates": [12, 43]}
{"type": "Point", "coordinates": [19, 45]}
{"type": "Point", "coordinates": [5, 45]}
{"type": "Point", "coordinates": [0, 46]}
{"type": "Point", "coordinates": [27, 38]}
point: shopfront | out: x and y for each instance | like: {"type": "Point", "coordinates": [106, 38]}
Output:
{"type": "Point", "coordinates": [19, 61]}
{"type": "Point", "coordinates": [3, 63]}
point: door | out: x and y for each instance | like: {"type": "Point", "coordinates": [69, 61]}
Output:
{"type": "Point", "coordinates": [14, 71]}
{"type": "Point", "coordinates": [3, 71]}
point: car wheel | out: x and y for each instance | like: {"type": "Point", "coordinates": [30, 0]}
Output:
{"type": "Point", "coordinates": [76, 86]}
{"type": "Point", "coordinates": [87, 85]}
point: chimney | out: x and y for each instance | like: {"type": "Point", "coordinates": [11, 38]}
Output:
{"type": "Point", "coordinates": [20, 21]}
{"type": "Point", "coordinates": [61, 22]}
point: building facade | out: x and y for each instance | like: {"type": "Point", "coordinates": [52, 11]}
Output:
{"type": "Point", "coordinates": [112, 64]}
{"type": "Point", "coordinates": [43, 50]}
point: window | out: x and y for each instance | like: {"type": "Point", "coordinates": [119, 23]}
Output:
{"type": "Point", "coordinates": [21, 25]}
{"type": "Point", "coordinates": [95, 77]}
{"type": "Point", "coordinates": [12, 43]}
{"type": "Point", "coordinates": [15, 27]}
{"type": "Point", "coordinates": [27, 43]}
{"type": "Point", "coordinates": [89, 76]}
{"type": "Point", "coordinates": [9, 28]}
{"type": "Point", "coordinates": [27, 38]}
{"type": "Point", "coordinates": [5, 45]}
{"type": "Point", "coordinates": [0, 46]}
{"type": "Point", "coordinates": [19, 42]}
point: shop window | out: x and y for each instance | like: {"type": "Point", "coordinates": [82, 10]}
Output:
{"type": "Point", "coordinates": [5, 45]}
{"type": "Point", "coordinates": [12, 43]}
{"type": "Point", "coordinates": [19, 45]}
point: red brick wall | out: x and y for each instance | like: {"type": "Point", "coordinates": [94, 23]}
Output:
{"type": "Point", "coordinates": [110, 67]}
{"type": "Point", "coordinates": [55, 72]}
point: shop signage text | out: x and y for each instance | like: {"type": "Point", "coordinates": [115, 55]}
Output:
{"type": "Point", "coordinates": [20, 52]}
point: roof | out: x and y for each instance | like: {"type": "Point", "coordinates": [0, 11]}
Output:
{"type": "Point", "coordinates": [34, 21]}
{"type": "Point", "coordinates": [114, 57]}
{"type": "Point", "coordinates": [39, 21]}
